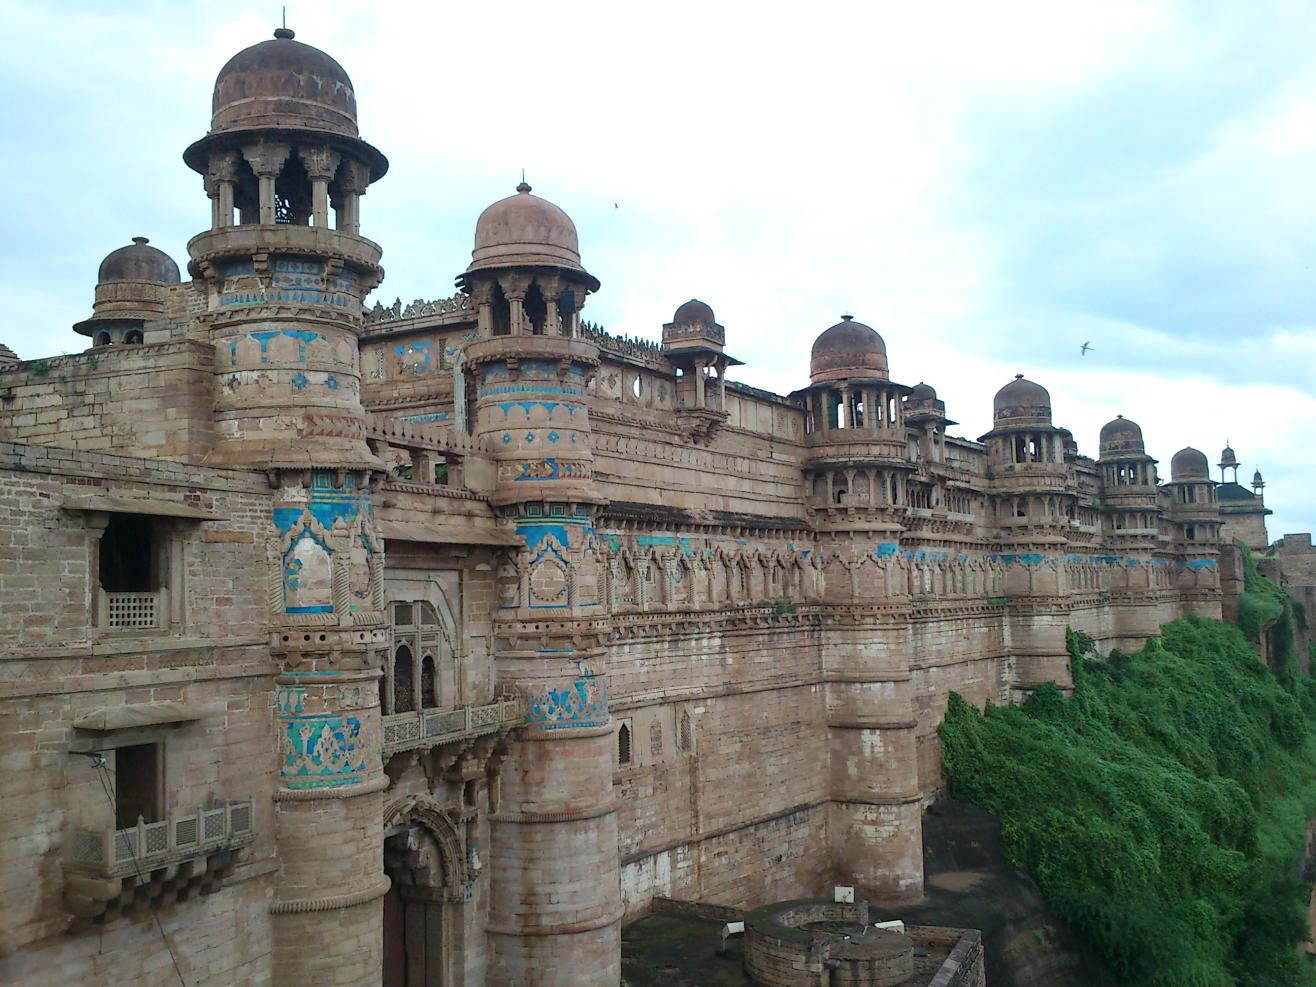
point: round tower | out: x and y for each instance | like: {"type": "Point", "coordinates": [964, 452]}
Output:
{"type": "Point", "coordinates": [283, 286]}
{"type": "Point", "coordinates": [1028, 466]}
{"type": "Point", "coordinates": [555, 909]}
{"type": "Point", "coordinates": [132, 288]}
{"type": "Point", "coordinates": [857, 473]}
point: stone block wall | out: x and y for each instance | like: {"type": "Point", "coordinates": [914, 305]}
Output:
{"type": "Point", "coordinates": [56, 666]}
{"type": "Point", "coordinates": [154, 400]}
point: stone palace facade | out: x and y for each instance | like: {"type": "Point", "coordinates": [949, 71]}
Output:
{"type": "Point", "coordinates": [346, 644]}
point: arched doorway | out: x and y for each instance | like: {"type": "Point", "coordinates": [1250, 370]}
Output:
{"type": "Point", "coordinates": [424, 860]}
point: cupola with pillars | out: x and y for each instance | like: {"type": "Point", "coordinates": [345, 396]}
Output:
{"type": "Point", "coordinates": [693, 343]}
{"type": "Point", "coordinates": [1130, 499]}
{"type": "Point", "coordinates": [1028, 462]}
{"type": "Point", "coordinates": [859, 456]}
{"type": "Point", "coordinates": [1194, 508]}
{"type": "Point", "coordinates": [531, 371]}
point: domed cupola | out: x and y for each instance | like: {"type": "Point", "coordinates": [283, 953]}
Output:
{"type": "Point", "coordinates": [1121, 437]}
{"type": "Point", "coordinates": [131, 289]}
{"type": "Point", "coordinates": [848, 350]}
{"type": "Point", "coordinates": [1189, 464]}
{"type": "Point", "coordinates": [524, 230]}
{"type": "Point", "coordinates": [525, 273]}
{"type": "Point", "coordinates": [283, 84]}
{"type": "Point", "coordinates": [283, 145]}
{"type": "Point", "coordinates": [1021, 403]}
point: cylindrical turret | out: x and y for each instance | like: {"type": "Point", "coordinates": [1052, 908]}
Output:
{"type": "Point", "coordinates": [531, 371]}
{"type": "Point", "coordinates": [283, 290]}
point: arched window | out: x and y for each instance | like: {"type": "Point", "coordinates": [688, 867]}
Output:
{"type": "Point", "coordinates": [404, 687]}
{"type": "Point", "coordinates": [102, 338]}
{"type": "Point", "coordinates": [133, 337]}
{"type": "Point", "coordinates": [624, 745]}
{"type": "Point", "coordinates": [428, 693]}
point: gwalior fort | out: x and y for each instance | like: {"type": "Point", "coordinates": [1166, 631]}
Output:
{"type": "Point", "coordinates": [347, 643]}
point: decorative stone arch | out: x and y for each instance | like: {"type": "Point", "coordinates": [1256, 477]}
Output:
{"type": "Point", "coordinates": [423, 811]}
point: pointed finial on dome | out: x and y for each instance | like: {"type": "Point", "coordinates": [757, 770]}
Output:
{"type": "Point", "coordinates": [846, 318]}
{"type": "Point", "coordinates": [282, 32]}
{"type": "Point", "coordinates": [1018, 376]}
{"type": "Point", "coordinates": [523, 188]}
{"type": "Point", "coordinates": [140, 239]}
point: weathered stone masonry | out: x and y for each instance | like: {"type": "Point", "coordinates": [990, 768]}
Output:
{"type": "Point", "coordinates": [429, 643]}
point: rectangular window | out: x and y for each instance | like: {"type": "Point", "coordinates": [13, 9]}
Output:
{"type": "Point", "coordinates": [138, 785]}
{"type": "Point", "coordinates": [127, 555]}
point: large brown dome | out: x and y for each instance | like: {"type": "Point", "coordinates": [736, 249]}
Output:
{"type": "Point", "coordinates": [138, 262]}
{"type": "Point", "coordinates": [1189, 464]}
{"type": "Point", "coordinates": [524, 230]}
{"type": "Point", "coordinates": [1121, 436]}
{"type": "Point", "coordinates": [283, 84]}
{"type": "Point", "coordinates": [694, 312]}
{"type": "Point", "coordinates": [848, 349]}
{"type": "Point", "coordinates": [1021, 402]}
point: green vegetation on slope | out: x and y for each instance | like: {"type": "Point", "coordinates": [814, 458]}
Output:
{"type": "Point", "coordinates": [1162, 808]}
{"type": "Point", "coordinates": [1264, 603]}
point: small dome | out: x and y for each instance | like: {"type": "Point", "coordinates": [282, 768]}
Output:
{"type": "Point", "coordinates": [524, 230]}
{"type": "Point", "coordinates": [1121, 436]}
{"type": "Point", "coordinates": [847, 349]}
{"type": "Point", "coordinates": [922, 393]}
{"type": "Point", "coordinates": [1228, 458]}
{"type": "Point", "coordinates": [1189, 464]}
{"type": "Point", "coordinates": [138, 262]}
{"type": "Point", "coordinates": [286, 85]}
{"type": "Point", "coordinates": [1021, 402]}
{"type": "Point", "coordinates": [1256, 479]}
{"type": "Point", "coordinates": [694, 312]}
{"type": "Point", "coordinates": [8, 358]}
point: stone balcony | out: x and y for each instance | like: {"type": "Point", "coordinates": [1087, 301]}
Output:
{"type": "Point", "coordinates": [110, 872]}
{"type": "Point", "coordinates": [435, 727]}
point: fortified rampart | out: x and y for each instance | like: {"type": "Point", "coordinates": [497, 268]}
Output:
{"type": "Point", "coordinates": [431, 643]}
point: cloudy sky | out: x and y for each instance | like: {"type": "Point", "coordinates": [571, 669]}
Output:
{"type": "Point", "coordinates": [987, 185]}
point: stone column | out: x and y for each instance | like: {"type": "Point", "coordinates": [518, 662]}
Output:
{"type": "Point", "coordinates": [266, 159]}
{"type": "Point", "coordinates": [321, 165]}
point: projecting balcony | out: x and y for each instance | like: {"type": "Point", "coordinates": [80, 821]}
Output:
{"type": "Point", "coordinates": [110, 871]}
{"type": "Point", "coordinates": [432, 727]}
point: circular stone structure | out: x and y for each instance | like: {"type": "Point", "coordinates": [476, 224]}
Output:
{"type": "Point", "coordinates": [814, 941]}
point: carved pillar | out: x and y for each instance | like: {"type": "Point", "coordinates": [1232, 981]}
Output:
{"type": "Point", "coordinates": [266, 159]}
{"type": "Point", "coordinates": [321, 165]}
{"type": "Point", "coordinates": [221, 176]}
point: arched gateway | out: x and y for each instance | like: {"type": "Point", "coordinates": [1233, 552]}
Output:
{"type": "Point", "coordinates": [425, 860]}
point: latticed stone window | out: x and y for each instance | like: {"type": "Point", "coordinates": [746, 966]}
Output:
{"type": "Point", "coordinates": [413, 676]}
{"type": "Point", "coordinates": [685, 734]}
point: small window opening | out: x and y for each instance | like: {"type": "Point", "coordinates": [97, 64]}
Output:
{"type": "Point", "coordinates": [685, 734]}
{"type": "Point", "coordinates": [428, 692]}
{"type": "Point", "coordinates": [137, 785]}
{"type": "Point", "coordinates": [101, 338]}
{"type": "Point", "coordinates": [624, 745]}
{"type": "Point", "coordinates": [404, 689]}
{"type": "Point", "coordinates": [127, 555]}
{"type": "Point", "coordinates": [133, 337]}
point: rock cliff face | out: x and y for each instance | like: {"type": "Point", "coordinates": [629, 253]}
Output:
{"type": "Point", "coordinates": [970, 884]}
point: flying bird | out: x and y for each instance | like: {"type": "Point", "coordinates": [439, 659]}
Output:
{"type": "Point", "coordinates": [1083, 350]}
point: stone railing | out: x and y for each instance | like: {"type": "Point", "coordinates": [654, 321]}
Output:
{"type": "Point", "coordinates": [149, 846]}
{"type": "Point", "coordinates": [431, 727]}
{"type": "Point", "coordinates": [418, 309]}
{"type": "Point", "coordinates": [645, 349]}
